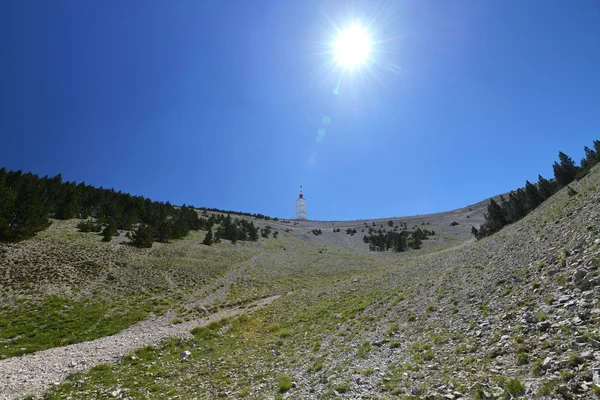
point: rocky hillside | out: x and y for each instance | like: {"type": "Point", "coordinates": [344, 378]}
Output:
{"type": "Point", "coordinates": [513, 315]}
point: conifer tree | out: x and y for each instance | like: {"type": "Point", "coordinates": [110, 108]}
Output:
{"type": "Point", "coordinates": [496, 216]}
{"type": "Point", "coordinates": [69, 207]}
{"type": "Point", "coordinates": [7, 212]}
{"type": "Point", "coordinates": [31, 209]}
{"type": "Point", "coordinates": [590, 158]}
{"type": "Point", "coordinates": [109, 232]}
{"type": "Point", "coordinates": [208, 239]}
{"type": "Point", "coordinates": [142, 236]}
{"type": "Point", "coordinates": [164, 231]}
{"type": "Point", "coordinates": [533, 197]}
{"type": "Point", "coordinates": [253, 232]}
{"type": "Point", "coordinates": [566, 171]}
{"type": "Point", "coordinates": [506, 209]}
{"type": "Point", "coordinates": [545, 188]}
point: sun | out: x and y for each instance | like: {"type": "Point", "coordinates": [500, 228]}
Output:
{"type": "Point", "coordinates": [352, 47]}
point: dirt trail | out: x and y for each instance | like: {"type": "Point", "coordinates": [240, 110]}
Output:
{"type": "Point", "coordinates": [35, 373]}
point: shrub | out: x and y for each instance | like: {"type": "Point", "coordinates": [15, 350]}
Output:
{"type": "Point", "coordinates": [514, 387]}
{"type": "Point", "coordinates": [285, 383]}
{"type": "Point", "coordinates": [548, 388]}
{"type": "Point", "coordinates": [574, 360]}
{"type": "Point", "coordinates": [341, 388]}
{"type": "Point", "coordinates": [522, 358]}
{"type": "Point", "coordinates": [89, 226]}
{"type": "Point", "coordinates": [536, 368]}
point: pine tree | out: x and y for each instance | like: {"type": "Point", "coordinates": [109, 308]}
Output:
{"type": "Point", "coordinates": [545, 188]}
{"type": "Point", "coordinates": [506, 209]}
{"type": "Point", "coordinates": [31, 209]}
{"type": "Point", "coordinates": [566, 171]}
{"type": "Point", "coordinates": [590, 158]}
{"type": "Point", "coordinates": [597, 149]}
{"type": "Point", "coordinates": [533, 197]}
{"type": "Point", "coordinates": [496, 216]}
{"type": "Point", "coordinates": [415, 241]}
{"type": "Point", "coordinates": [142, 236]}
{"type": "Point", "coordinates": [164, 231]}
{"type": "Point", "coordinates": [522, 202]}
{"type": "Point", "coordinates": [109, 232]}
{"type": "Point", "coordinates": [253, 232]}
{"type": "Point", "coordinates": [208, 239]}
{"type": "Point", "coordinates": [7, 212]}
{"type": "Point", "coordinates": [69, 207]}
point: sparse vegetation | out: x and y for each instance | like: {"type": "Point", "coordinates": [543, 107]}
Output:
{"type": "Point", "coordinates": [400, 325]}
{"type": "Point", "coordinates": [285, 383]}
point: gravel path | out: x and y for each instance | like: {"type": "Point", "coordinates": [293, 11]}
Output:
{"type": "Point", "coordinates": [34, 373]}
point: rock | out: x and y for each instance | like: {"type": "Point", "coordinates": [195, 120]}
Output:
{"type": "Point", "coordinates": [546, 309]}
{"type": "Point", "coordinates": [184, 356]}
{"type": "Point", "coordinates": [530, 318]}
{"type": "Point", "coordinates": [587, 355]}
{"type": "Point", "coordinates": [570, 303]}
{"type": "Point", "coordinates": [584, 304]}
{"type": "Point", "coordinates": [547, 363]}
{"type": "Point", "coordinates": [588, 294]}
{"type": "Point", "coordinates": [543, 326]}
{"type": "Point", "coordinates": [564, 391]}
{"type": "Point", "coordinates": [564, 298]}
{"type": "Point", "coordinates": [583, 314]}
{"type": "Point", "coordinates": [579, 274]}
{"type": "Point", "coordinates": [594, 281]}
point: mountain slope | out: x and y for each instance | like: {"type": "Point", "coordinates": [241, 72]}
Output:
{"type": "Point", "coordinates": [514, 314]}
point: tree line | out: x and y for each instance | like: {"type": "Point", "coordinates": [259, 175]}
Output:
{"type": "Point", "coordinates": [524, 200]}
{"type": "Point", "coordinates": [27, 201]}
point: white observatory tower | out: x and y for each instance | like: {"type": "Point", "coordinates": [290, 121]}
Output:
{"type": "Point", "coordinates": [301, 206]}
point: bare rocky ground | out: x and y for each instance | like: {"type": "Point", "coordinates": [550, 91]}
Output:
{"type": "Point", "coordinates": [515, 315]}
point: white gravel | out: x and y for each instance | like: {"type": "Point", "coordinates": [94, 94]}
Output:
{"type": "Point", "coordinates": [35, 373]}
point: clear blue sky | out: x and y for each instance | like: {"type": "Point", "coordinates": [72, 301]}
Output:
{"type": "Point", "coordinates": [219, 103]}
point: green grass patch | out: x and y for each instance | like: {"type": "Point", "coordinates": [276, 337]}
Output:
{"type": "Point", "coordinates": [56, 321]}
{"type": "Point", "coordinates": [285, 383]}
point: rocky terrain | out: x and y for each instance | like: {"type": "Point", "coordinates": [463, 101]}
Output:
{"type": "Point", "coordinates": [515, 315]}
